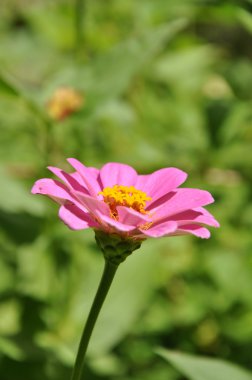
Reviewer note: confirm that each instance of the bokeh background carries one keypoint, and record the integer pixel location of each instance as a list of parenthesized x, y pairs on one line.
[(160, 83)]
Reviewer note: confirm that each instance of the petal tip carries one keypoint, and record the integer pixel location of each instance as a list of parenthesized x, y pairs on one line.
[(38, 187), (71, 159), (183, 174), (34, 189), (204, 234), (51, 169), (211, 198)]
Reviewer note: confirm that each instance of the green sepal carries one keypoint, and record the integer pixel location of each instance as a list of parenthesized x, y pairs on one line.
[(116, 248)]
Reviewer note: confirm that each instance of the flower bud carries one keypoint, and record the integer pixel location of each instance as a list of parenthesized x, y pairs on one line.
[(115, 248), (64, 102)]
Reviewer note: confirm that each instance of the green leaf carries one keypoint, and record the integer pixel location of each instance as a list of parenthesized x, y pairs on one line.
[(203, 368), (15, 197), (245, 19), (10, 349), (6, 87), (10, 86), (185, 69), (110, 75), (9, 317), (36, 270)]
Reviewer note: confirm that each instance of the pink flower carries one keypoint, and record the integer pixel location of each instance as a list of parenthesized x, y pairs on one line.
[(117, 200)]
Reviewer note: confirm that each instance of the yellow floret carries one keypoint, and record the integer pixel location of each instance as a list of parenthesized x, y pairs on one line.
[(127, 196)]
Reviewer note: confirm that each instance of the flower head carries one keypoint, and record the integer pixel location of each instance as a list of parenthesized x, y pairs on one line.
[(116, 200), (63, 102)]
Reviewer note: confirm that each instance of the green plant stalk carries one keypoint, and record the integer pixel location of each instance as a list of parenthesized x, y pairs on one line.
[(102, 291), (78, 16)]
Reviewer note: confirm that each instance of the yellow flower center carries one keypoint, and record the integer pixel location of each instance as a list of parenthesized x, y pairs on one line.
[(127, 196)]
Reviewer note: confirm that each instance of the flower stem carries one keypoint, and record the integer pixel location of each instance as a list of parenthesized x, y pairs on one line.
[(102, 291), (79, 15)]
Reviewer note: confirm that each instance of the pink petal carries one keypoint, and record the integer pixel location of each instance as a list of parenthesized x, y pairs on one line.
[(89, 176), (75, 218), (69, 179), (94, 171), (121, 227), (207, 218), (160, 182), (95, 206), (131, 217), (196, 216), (117, 174), (101, 211), (53, 189), (182, 200), (194, 230), (161, 229)]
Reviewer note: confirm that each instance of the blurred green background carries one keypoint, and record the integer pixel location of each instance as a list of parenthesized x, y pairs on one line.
[(163, 83)]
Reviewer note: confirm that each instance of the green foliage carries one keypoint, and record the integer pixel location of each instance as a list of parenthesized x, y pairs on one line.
[(197, 368), (164, 83)]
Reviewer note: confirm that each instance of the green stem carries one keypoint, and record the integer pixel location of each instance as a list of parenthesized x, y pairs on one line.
[(79, 14), (102, 291)]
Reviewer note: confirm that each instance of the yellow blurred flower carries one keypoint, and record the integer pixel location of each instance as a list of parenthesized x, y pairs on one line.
[(64, 101)]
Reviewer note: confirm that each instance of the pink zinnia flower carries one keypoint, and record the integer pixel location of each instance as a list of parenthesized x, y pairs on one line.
[(117, 200)]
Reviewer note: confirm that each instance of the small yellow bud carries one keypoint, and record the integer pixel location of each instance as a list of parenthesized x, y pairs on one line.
[(64, 101)]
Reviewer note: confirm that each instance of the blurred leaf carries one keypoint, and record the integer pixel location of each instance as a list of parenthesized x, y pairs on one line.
[(6, 87), (110, 75), (55, 25), (10, 349), (245, 18), (15, 197), (7, 276), (236, 155), (239, 329), (185, 69), (9, 317), (237, 124), (200, 368), (240, 78), (11, 86), (224, 266), (36, 270), (117, 112), (26, 226), (109, 365)]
